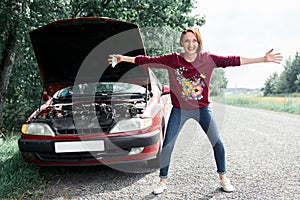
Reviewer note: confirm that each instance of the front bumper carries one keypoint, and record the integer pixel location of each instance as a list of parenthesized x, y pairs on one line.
[(116, 149)]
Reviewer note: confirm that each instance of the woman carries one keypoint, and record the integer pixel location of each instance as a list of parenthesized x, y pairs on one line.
[(190, 74)]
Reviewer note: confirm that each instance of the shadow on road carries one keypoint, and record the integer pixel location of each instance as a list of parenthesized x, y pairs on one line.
[(72, 182)]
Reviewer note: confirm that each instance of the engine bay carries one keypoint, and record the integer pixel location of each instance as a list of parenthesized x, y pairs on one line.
[(88, 118)]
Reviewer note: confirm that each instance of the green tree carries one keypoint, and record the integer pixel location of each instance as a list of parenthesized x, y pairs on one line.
[(288, 81), (288, 78), (298, 83), (218, 82), (159, 13), (24, 86), (9, 46), (271, 85)]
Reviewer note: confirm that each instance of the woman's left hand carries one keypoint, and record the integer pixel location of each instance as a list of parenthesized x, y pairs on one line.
[(275, 57)]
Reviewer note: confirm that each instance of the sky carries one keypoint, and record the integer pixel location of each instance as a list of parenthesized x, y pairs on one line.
[(250, 28)]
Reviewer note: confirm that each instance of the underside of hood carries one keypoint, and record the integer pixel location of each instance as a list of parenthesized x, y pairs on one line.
[(75, 51)]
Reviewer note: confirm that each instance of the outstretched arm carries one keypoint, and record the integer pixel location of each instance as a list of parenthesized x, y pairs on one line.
[(120, 58), (269, 57)]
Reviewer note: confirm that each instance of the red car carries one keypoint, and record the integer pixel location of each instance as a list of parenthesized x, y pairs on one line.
[(93, 113)]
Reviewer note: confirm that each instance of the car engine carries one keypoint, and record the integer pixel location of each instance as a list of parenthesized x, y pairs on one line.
[(88, 118)]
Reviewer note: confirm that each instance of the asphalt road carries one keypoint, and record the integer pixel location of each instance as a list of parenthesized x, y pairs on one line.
[(263, 162)]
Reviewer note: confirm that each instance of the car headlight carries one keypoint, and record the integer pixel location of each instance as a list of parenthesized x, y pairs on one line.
[(132, 124), (40, 129)]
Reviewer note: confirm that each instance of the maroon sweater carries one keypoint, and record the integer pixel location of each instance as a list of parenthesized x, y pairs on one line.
[(189, 82)]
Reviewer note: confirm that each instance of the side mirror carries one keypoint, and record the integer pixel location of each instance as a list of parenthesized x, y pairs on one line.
[(165, 90), (46, 97)]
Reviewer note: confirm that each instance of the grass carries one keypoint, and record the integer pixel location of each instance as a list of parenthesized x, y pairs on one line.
[(18, 179), (280, 104)]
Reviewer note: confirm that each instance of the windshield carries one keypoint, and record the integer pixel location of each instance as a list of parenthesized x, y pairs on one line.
[(101, 88)]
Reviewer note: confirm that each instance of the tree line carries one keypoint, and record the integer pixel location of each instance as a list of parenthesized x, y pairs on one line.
[(21, 87), (287, 82)]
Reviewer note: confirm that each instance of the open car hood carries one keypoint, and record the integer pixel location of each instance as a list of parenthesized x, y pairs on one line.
[(75, 51)]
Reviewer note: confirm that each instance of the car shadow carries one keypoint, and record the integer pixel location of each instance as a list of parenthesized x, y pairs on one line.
[(72, 182)]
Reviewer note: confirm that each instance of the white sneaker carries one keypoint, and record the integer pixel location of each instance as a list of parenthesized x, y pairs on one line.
[(226, 185), (160, 188)]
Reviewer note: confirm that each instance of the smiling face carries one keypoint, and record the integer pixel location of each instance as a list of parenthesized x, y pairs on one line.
[(190, 43)]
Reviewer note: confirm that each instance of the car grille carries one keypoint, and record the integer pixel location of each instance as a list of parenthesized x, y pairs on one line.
[(80, 157), (82, 131)]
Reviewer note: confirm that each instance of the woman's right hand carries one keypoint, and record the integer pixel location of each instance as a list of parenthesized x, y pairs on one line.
[(117, 58), (114, 59)]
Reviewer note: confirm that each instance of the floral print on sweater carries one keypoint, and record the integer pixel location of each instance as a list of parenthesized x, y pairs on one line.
[(192, 88)]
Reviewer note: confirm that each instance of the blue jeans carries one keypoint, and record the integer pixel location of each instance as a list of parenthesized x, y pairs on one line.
[(176, 121)]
